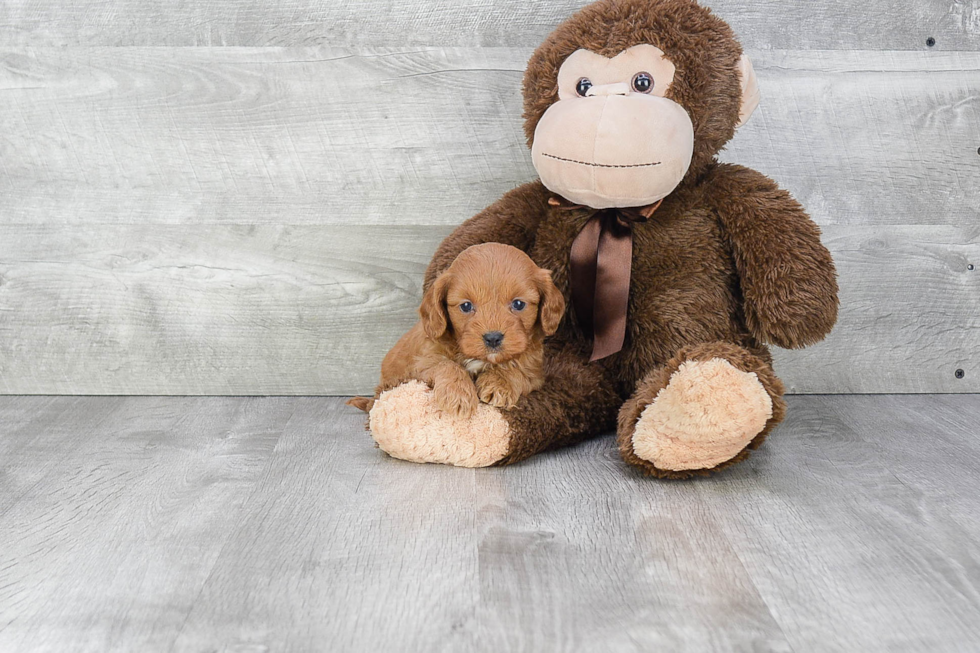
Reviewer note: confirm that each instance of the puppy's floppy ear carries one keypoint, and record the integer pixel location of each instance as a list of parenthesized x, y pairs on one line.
[(551, 306), (433, 308)]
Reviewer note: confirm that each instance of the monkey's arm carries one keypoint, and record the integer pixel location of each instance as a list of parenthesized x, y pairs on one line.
[(511, 220), (788, 279)]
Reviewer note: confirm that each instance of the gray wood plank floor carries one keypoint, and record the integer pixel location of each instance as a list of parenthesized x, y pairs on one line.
[(273, 524)]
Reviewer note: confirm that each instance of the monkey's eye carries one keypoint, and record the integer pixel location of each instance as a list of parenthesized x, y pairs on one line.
[(466, 307), (518, 305), (642, 82), (583, 86)]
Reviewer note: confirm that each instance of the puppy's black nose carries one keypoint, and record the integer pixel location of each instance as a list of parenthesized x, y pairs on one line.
[(492, 339)]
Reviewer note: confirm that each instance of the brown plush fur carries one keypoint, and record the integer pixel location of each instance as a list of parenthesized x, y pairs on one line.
[(446, 348), (728, 263)]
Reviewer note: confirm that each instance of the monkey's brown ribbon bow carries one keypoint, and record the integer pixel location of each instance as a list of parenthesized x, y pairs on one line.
[(601, 257)]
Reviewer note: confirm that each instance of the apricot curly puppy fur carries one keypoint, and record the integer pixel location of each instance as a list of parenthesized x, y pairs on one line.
[(481, 333)]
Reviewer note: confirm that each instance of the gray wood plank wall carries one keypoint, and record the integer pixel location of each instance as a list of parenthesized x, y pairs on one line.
[(177, 218), (793, 24)]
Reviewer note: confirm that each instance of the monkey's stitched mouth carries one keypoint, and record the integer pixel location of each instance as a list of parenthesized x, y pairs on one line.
[(601, 165)]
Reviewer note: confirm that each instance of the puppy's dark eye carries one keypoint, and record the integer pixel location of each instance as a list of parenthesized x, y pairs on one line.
[(518, 305), (466, 307), (642, 82), (583, 86)]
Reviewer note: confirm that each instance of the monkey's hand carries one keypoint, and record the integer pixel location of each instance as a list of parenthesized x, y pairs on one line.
[(407, 423)]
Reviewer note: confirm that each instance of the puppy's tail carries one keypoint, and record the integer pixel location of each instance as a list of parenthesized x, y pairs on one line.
[(361, 403)]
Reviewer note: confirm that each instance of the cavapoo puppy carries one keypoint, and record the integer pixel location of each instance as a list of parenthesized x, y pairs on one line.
[(483, 323)]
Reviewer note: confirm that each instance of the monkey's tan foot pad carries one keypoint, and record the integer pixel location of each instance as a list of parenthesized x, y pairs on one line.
[(406, 424), (708, 413)]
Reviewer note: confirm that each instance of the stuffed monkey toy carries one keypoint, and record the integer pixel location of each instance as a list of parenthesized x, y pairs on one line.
[(677, 270)]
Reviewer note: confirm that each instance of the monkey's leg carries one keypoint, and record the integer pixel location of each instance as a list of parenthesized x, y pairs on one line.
[(704, 410), (576, 402)]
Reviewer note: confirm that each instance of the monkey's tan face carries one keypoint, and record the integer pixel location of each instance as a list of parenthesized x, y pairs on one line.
[(613, 139)]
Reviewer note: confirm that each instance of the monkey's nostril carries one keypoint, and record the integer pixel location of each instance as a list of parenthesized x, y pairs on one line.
[(492, 339)]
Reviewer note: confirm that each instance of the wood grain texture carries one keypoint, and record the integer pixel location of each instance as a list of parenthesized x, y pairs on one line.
[(232, 309), (598, 558), (134, 500), (799, 24), (431, 136), (161, 309), (35, 434), (894, 464), (909, 317), (385, 560), (203, 524), (208, 220)]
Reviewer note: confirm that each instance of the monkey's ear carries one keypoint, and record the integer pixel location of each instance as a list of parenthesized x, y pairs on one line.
[(750, 90), (433, 308)]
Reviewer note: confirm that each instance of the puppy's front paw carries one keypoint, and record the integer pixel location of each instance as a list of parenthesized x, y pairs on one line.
[(496, 391), (456, 399)]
